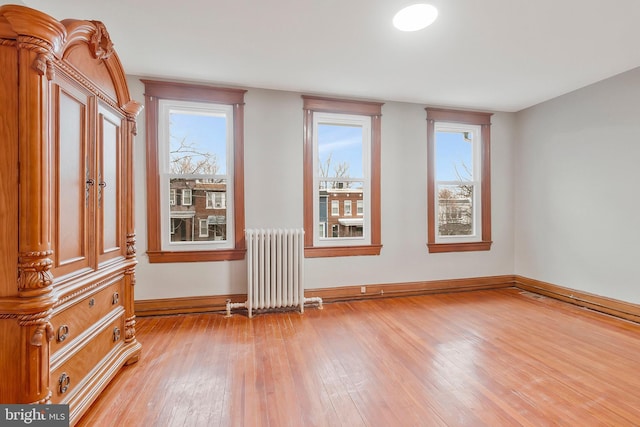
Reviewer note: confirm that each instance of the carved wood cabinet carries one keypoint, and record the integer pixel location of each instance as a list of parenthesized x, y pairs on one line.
[(67, 240)]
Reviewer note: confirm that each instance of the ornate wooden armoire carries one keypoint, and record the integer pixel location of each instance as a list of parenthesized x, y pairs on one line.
[(67, 239)]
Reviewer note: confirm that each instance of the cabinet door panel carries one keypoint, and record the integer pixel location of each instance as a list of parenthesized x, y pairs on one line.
[(72, 194), (110, 191)]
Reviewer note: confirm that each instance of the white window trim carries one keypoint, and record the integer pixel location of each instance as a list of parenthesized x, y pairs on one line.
[(359, 207), (200, 228), (223, 200), (476, 146), (185, 192), (351, 120), (172, 197), (335, 208), (209, 202), (165, 106), (347, 208), (212, 196)]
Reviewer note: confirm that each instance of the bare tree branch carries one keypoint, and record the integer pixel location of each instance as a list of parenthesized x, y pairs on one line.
[(187, 159), (341, 170)]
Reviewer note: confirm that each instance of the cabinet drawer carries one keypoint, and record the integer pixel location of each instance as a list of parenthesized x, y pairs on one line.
[(72, 373), (73, 320)]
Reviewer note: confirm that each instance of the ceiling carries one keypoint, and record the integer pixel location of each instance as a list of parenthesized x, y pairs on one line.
[(501, 55)]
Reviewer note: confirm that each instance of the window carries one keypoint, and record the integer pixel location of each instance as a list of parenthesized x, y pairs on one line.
[(186, 197), (195, 140), (335, 208), (194, 150), (347, 208), (359, 208), (216, 200), (204, 228), (220, 200), (458, 181), (341, 164)]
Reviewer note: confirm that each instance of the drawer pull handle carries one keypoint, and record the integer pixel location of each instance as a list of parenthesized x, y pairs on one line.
[(116, 334), (63, 383), (116, 298), (63, 331), (92, 302)]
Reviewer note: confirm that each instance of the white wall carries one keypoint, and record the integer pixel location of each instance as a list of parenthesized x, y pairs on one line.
[(577, 194), (273, 160)]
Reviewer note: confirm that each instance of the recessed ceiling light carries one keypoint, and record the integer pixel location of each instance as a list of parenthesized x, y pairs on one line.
[(415, 17)]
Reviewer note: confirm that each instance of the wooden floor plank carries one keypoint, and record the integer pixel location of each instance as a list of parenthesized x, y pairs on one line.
[(484, 358)]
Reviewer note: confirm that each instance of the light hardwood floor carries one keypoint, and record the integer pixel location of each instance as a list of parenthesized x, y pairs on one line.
[(484, 358)]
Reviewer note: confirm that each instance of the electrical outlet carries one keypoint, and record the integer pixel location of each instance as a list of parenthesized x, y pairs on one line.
[(363, 289)]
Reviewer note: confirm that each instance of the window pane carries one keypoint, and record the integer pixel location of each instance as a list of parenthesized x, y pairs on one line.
[(205, 217), (347, 208), (340, 151), (340, 222), (335, 207), (198, 143), (216, 199), (454, 156), (204, 229), (455, 210), (186, 197)]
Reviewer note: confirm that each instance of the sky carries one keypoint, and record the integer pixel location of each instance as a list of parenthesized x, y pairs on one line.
[(344, 143), (452, 151), (207, 133)]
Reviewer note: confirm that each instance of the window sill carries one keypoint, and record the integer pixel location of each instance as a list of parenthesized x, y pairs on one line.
[(337, 251), (459, 247), (195, 256)]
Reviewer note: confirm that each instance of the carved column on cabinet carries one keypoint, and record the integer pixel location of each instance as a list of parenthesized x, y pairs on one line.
[(133, 109), (130, 319), (35, 281)]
